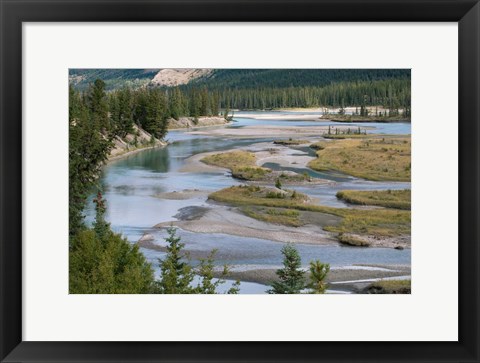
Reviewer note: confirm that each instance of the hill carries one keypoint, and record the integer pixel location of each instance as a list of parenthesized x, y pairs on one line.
[(284, 78), (230, 78), (113, 78)]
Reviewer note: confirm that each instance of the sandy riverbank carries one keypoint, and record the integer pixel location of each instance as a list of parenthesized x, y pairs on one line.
[(189, 122), (265, 152), (182, 194), (135, 151), (282, 116), (229, 220), (349, 278), (262, 131)]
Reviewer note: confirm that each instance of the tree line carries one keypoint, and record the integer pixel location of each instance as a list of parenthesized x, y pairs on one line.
[(391, 94), (285, 78)]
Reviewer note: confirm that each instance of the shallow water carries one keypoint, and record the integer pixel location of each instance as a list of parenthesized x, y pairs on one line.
[(401, 128), (130, 186)]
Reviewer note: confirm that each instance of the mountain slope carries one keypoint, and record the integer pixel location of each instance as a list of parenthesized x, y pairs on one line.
[(283, 78), (230, 78)]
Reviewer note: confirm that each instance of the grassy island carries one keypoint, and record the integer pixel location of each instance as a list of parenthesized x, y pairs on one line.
[(369, 118), (279, 204), (241, 164), (372, 158), (290, 142), (399, 199)]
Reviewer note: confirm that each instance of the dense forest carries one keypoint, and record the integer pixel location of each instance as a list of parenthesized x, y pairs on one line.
[(286, 78), (261, 89), (392, 94)]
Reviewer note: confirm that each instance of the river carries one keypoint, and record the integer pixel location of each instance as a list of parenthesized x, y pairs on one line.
[(130, 186)]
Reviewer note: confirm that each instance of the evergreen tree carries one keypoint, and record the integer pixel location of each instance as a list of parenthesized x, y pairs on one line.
[(292, 277), (176, 274), (208, 284), (88, 149), (204, 103), (124, 116), (100, 226), (102, 262), (107, 266), (176, 108), (318, 273), (98, 105)]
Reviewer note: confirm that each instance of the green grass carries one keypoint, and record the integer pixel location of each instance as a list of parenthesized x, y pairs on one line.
[(370, 118), (290, 142), (375, 222), (352, 240), (320, 145), (243, 166), (399, 199), (371, 158), (241, 163), (287, 217), (391, 287), (344, 136)]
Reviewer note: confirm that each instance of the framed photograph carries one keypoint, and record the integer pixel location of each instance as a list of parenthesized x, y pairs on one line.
[(240, 181)]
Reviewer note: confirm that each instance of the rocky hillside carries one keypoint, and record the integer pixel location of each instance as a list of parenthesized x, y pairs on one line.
[(117, 78), (229, 78), (178, 76), (138, 140), (190, 122)]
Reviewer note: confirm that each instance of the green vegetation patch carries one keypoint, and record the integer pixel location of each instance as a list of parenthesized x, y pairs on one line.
[(399, 199), (368, 118), (390, 287), (287, 217), (352, 240), (385, 158), (374, 222), (290, 142), (320, 145), (344, 136), (241, 163)]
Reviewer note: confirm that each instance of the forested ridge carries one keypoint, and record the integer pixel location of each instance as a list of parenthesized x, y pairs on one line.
[(270, 89), (113, 78), (285, 78)]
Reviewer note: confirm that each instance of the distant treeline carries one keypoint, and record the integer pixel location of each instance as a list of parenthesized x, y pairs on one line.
[(391, 94), (249, 89), (286, 78)]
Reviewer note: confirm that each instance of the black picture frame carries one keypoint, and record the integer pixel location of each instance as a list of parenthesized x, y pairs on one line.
[(14, 12)]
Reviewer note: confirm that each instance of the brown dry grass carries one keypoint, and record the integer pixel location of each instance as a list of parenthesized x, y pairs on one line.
[(399, 199), (372, 158)]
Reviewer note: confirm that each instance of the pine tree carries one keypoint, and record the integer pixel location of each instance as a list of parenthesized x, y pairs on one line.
[(88, 149), (102, 262), (176, 274), (98, 105), (124, 114), (318, 273), (176, 108), (100, 226), (292, 277), (208, 284)]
